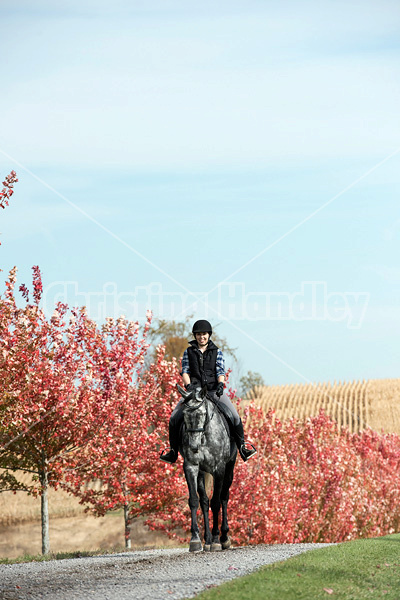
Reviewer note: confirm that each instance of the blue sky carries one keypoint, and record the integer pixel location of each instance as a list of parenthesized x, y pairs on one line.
[(245, 150)]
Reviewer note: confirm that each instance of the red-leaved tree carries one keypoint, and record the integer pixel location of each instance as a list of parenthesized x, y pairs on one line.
[(120, 467), (49, 405)]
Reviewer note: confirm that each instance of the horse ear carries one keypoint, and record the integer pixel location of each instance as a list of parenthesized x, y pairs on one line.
[(182, 391), (203, 391)]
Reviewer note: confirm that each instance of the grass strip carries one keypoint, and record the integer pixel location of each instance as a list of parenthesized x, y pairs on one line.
[(46, 557), (78, 554), (52, 556), (366, 568)]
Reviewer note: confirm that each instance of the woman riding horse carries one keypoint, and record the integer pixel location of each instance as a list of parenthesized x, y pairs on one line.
[(203, 364)]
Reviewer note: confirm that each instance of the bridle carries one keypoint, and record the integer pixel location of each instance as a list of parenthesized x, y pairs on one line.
[(208, 418)]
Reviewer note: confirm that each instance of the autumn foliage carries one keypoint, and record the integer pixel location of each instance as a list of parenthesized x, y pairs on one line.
[(81, 407), (7, 191), (119, 467), (49, 405), (309, 482), (78, 408)]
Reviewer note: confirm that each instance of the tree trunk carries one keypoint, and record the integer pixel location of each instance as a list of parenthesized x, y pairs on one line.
[(127, 526), (45, 511)]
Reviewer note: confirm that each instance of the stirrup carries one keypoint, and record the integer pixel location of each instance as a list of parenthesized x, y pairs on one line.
[(170, 457), (247, 453)]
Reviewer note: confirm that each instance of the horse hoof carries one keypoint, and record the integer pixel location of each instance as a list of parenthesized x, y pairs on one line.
[(195, 546), (216, 547), (207, 548), (227, 544)]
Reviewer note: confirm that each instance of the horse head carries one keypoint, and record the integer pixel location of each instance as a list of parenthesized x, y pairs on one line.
[(195, 415)]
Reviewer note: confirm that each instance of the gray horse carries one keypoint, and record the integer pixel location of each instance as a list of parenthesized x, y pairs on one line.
[(206, 447)]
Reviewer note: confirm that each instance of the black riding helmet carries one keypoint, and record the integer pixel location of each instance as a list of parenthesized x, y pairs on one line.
[(201, 326)]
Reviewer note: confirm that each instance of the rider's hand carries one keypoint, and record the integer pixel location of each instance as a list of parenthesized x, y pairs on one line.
[(220, 389), (190, 387)]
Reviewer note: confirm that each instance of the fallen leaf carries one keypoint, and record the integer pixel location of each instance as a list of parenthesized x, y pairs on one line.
[(298, 574)]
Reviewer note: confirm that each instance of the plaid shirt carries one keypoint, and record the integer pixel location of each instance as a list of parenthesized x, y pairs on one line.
[(220, 366)]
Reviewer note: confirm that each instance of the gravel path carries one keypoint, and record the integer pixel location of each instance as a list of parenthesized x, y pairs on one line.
[(146, 575)]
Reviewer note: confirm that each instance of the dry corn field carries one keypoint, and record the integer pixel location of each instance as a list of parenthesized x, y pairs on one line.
[(356, 405)]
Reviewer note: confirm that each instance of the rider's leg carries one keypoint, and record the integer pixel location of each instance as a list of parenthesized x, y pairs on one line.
[(238, 435), (233, 417), (175, 423)]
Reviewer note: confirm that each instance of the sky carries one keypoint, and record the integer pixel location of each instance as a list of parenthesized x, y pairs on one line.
[(236, 161)]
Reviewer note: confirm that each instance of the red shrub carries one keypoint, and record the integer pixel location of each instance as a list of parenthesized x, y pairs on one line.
[(309, 482)]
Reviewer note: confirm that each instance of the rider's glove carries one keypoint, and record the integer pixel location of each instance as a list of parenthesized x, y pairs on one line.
[(220, 389), (190, 387)]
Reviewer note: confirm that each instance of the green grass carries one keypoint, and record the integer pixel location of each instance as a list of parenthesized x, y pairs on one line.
[(368, 568)]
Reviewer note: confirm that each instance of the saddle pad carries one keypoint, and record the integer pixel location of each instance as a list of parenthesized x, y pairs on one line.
[(225, 422), (227, 427)]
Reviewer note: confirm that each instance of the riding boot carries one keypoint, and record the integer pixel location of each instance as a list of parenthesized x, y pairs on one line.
[(238, 435), (174, 428)]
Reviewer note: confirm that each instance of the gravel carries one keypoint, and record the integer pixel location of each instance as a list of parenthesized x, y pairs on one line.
[(144, 575)]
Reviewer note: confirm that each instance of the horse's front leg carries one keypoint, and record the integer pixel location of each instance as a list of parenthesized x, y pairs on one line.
[(191, 474), (215, 507), (205, 507), (228, 478)]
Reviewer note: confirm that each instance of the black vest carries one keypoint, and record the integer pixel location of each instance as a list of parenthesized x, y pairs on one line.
[(203, 366)]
